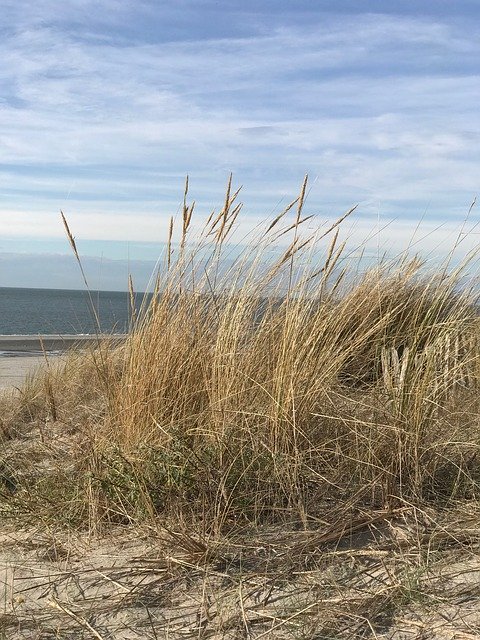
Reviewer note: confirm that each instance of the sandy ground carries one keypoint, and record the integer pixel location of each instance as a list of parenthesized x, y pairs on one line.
[(406, 574), (21, 355), (131, 586), (13, 370)]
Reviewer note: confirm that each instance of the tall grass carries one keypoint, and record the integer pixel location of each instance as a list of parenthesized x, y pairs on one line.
[(258, 390), (253, 390)]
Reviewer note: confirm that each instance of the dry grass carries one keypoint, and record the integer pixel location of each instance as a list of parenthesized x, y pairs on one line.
[(408, 576), (254, 394)]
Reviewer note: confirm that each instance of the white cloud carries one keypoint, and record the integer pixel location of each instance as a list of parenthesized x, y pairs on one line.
[(378, 109)]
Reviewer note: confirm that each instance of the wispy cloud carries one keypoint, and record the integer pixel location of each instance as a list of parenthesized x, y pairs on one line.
[(106, 106)]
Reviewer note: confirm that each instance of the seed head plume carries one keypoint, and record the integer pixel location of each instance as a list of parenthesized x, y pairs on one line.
[(70, 236), (131, 294), (169, 244), (73, 244)]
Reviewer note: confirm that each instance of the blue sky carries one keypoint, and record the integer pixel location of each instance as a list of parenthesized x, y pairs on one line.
[(106, 105)]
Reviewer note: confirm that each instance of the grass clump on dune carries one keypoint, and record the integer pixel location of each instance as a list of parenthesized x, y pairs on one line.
[(253, 391)]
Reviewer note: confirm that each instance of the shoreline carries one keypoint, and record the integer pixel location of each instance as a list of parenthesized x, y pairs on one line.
[(24, 345)]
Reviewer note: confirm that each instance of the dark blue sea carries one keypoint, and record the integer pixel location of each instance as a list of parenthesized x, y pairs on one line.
[(58, 311)]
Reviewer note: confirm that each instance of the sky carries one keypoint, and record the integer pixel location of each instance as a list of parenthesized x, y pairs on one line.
[(106, 106)]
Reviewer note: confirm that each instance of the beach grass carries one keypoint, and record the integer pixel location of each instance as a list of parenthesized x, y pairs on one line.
[(270, 410)]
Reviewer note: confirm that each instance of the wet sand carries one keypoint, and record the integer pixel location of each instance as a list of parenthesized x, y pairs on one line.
[(29, 344)]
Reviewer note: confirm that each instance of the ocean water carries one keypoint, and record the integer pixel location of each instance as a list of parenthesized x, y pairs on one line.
[(58, 311)]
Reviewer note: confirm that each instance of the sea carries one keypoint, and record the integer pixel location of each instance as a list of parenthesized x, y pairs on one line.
[(59, 311)]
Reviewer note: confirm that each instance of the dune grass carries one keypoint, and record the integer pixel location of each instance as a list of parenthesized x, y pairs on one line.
[(262, 391), (261, 413)]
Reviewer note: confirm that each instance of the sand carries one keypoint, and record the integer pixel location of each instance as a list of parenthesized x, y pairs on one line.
[(25, 344), (21, 355), (13, 370), (129, 586)]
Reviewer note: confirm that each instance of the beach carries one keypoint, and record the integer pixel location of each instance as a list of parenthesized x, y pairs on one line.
[(14, 370), (21, 355)]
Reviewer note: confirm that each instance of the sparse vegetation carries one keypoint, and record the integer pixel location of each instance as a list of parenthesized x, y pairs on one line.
[(268, 419)]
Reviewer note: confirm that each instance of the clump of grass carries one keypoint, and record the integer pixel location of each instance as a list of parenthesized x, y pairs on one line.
[(254, 390)]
